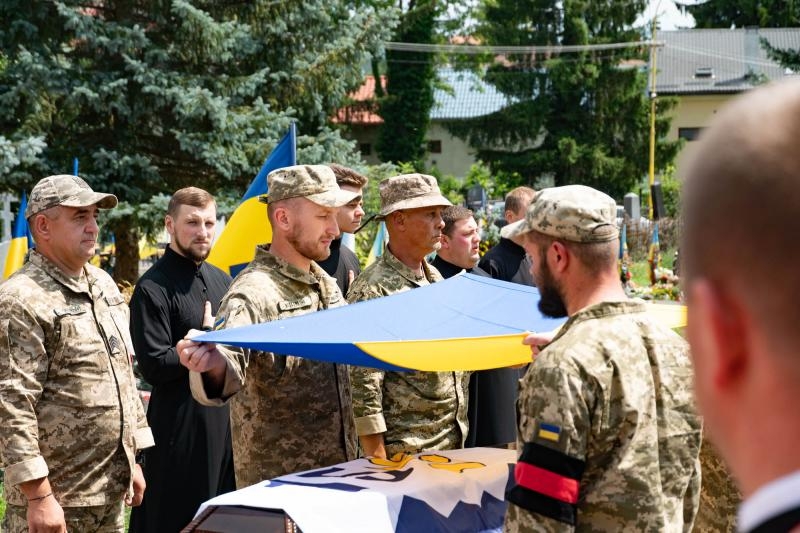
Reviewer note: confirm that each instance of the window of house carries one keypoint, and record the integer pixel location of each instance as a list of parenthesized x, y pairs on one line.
[(435, 147), (365, 148), (690, 134)]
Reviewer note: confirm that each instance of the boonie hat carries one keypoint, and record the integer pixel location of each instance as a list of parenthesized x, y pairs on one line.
[(315, 182), (66, 190), (409, 191), (573, 213)]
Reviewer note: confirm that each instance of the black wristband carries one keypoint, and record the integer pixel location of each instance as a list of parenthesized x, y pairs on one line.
[(140, 458)]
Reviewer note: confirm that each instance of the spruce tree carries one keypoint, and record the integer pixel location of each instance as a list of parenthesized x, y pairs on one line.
[(743, 13), (154, 95), (572, 118)]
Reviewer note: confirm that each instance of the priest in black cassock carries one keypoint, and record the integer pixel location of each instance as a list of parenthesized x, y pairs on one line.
[(493, 393), (192, 460)]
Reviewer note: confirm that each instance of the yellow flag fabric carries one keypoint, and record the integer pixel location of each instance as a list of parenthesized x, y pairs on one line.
[(20, 240), (470, 353), (248, 226)]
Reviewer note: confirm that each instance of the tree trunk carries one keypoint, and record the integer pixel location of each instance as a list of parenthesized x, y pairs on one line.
[(126, 265)]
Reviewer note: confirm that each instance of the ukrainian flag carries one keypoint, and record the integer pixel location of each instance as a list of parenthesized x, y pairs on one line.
[(248, 225), (21, 241), (377, 245)]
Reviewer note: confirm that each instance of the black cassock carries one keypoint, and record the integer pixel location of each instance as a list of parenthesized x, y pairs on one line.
[(192, 460), (492, 408)]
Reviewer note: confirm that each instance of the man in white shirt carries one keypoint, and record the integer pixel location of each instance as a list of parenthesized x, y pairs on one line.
[(741, 206)]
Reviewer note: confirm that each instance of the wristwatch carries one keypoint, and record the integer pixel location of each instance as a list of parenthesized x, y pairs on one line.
[(140, 457)]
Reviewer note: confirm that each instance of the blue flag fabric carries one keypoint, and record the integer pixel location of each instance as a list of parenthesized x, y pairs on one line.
[(248, 225), (21, 241)]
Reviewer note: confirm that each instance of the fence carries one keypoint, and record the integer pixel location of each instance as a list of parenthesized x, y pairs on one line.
[(640, 235)]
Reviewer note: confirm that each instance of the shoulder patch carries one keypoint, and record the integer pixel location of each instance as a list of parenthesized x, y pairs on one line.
[(549, 435)]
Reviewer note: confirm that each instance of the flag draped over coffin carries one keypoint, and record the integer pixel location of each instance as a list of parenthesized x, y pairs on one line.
[(454, 490)]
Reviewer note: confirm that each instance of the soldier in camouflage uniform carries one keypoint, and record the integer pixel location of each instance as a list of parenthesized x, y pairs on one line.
[(290, 413), (71, 416), (608, 438), (407, 411)]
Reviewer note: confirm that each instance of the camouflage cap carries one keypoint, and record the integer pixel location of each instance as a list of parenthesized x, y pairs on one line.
[(409, 191), (573, 213), (70, 191), (315, 182)]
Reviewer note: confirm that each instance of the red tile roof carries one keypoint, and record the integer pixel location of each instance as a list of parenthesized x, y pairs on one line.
[(363, 107)]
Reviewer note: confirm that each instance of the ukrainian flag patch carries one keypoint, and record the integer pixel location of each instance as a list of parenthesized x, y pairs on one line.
[(549, 432)]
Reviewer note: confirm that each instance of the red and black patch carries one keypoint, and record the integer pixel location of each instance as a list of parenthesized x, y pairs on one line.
[(547, 483)]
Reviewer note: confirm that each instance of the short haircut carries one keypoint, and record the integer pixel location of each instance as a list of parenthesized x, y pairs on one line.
[(519, 198), (348, 176), (741, 207), (192, 196), (596, 257), (452, 214)]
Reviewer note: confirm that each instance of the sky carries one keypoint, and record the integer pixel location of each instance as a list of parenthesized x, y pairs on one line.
[(669, 15)]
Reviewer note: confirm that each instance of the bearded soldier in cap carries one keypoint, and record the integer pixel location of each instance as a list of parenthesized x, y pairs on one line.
[(407, 411), (71, 416), (291, 413), (608, 438)]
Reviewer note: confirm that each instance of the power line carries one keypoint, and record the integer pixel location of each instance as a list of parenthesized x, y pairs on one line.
[(468, 49)]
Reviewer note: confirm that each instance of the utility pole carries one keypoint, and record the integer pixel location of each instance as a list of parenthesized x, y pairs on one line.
[(653, 71)]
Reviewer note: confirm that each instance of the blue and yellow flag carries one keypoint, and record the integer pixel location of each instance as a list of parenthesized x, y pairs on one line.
[(377, 245), (21, 241), (654, 255), (248, 225)]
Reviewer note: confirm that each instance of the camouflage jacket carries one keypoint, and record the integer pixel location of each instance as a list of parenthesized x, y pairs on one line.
[(290, 413), (608, 435), (69, 408), (416, 411)]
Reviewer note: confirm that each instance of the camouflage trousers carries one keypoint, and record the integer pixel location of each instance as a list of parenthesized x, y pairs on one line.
[(99, 518)]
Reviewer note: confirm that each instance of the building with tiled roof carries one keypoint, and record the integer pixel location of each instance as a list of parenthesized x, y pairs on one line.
[(704, 68), (459, 95)]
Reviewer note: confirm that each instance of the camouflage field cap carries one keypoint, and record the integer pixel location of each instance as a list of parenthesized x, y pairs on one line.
[(573, 213), (70, 191), (315, 182), (409, 191)]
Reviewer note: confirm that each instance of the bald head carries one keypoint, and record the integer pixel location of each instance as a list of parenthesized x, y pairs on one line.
[(741, 206)]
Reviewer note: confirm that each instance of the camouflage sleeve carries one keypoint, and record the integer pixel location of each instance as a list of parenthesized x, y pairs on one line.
[(361, 292), (236, 309), (23, 371), (367, 386), (554, 421)]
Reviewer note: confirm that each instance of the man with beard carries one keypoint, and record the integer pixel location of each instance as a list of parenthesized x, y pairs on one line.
[(291, 413), (407, 411), (608, 438), (343, 263), (192, 460)]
